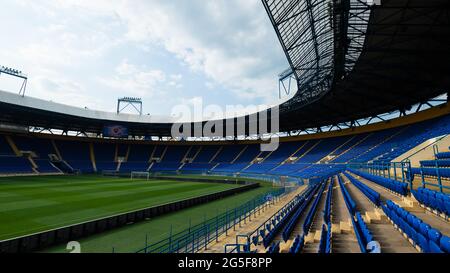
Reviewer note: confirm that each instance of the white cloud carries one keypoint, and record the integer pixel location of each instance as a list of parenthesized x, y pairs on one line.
[(64, 91), (230, 41), (175, 81), (230, 44), (233, 45), (134, 80)]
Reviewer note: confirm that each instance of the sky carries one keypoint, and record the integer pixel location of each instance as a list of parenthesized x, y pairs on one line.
[(88, 53)]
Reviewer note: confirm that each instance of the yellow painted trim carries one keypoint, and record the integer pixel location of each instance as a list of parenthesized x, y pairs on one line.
[(92, 154), (56, 149), (13, 145)]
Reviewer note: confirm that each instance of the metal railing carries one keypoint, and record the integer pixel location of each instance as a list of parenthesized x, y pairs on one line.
[(398, 171), (198, 237)]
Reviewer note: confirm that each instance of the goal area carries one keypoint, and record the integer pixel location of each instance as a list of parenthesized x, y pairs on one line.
[(140, 175)]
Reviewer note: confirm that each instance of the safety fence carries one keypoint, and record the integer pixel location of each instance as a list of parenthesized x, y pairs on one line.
[(393, 170), (198, 237)]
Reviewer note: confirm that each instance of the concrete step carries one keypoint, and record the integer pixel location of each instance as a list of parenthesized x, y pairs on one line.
[(311, 248), (375, 216), (344, 243), (410, 204)]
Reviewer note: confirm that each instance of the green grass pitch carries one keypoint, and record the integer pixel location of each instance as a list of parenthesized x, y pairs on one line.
[(132, 238), (33, 204)]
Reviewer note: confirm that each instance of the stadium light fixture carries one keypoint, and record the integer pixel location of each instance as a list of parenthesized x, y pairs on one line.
[(18, 74), (134, 102)]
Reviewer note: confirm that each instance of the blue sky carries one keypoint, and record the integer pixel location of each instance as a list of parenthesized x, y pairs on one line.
[(89, 53)]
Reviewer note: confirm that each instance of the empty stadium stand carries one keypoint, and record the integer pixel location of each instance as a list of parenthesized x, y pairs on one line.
[(345, 208), (360, 166), (303, 159)]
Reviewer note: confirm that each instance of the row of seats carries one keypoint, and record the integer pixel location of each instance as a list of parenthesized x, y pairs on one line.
[(279, 221), (432, 199), (384, 145), (45, 166), (412, 136), (327, 211), (305, 199), (362, 232), (325, 239), (298, 244), (435, 163), (197, 167), (373, 195), (422, 234), (351, 205), (14, 164), (312, 211), (368, 141), (391, 184), (437, 168), (434, 172), (443, 155), (274, 248)]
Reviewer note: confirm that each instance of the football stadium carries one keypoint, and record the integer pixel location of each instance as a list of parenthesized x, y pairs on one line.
[(355, 160)]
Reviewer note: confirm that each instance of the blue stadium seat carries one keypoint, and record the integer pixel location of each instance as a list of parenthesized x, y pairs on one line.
[(422, 242), (435, 163), (351, 205), (443, 155), (303, 200), (15, 165), (428, 238), (362, 232), (313, 210), (433, 199), (369, 192), (297, 245), (432, 172), (393, 185), (434, 235), (445, 244)]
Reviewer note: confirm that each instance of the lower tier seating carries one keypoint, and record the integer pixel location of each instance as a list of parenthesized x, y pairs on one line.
[(432, 199), (229, 168), (433, 172), (325, 239), (369, 192), (279, 221), (305, 199), (421, 233), (197, 167), (274, 248), (443, 155), (45, 166), (393, 185), (351, 205), (130, 166), (297, 245), (14, 164), (106, 166), (161, 167), (84, 166), (362, 232), (327, 211), (313, 210), (435, 163)]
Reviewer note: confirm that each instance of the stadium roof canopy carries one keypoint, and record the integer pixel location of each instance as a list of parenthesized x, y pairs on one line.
[(351, 60)]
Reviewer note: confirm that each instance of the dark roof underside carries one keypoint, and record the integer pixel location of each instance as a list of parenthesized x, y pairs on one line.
[(406, 60)]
